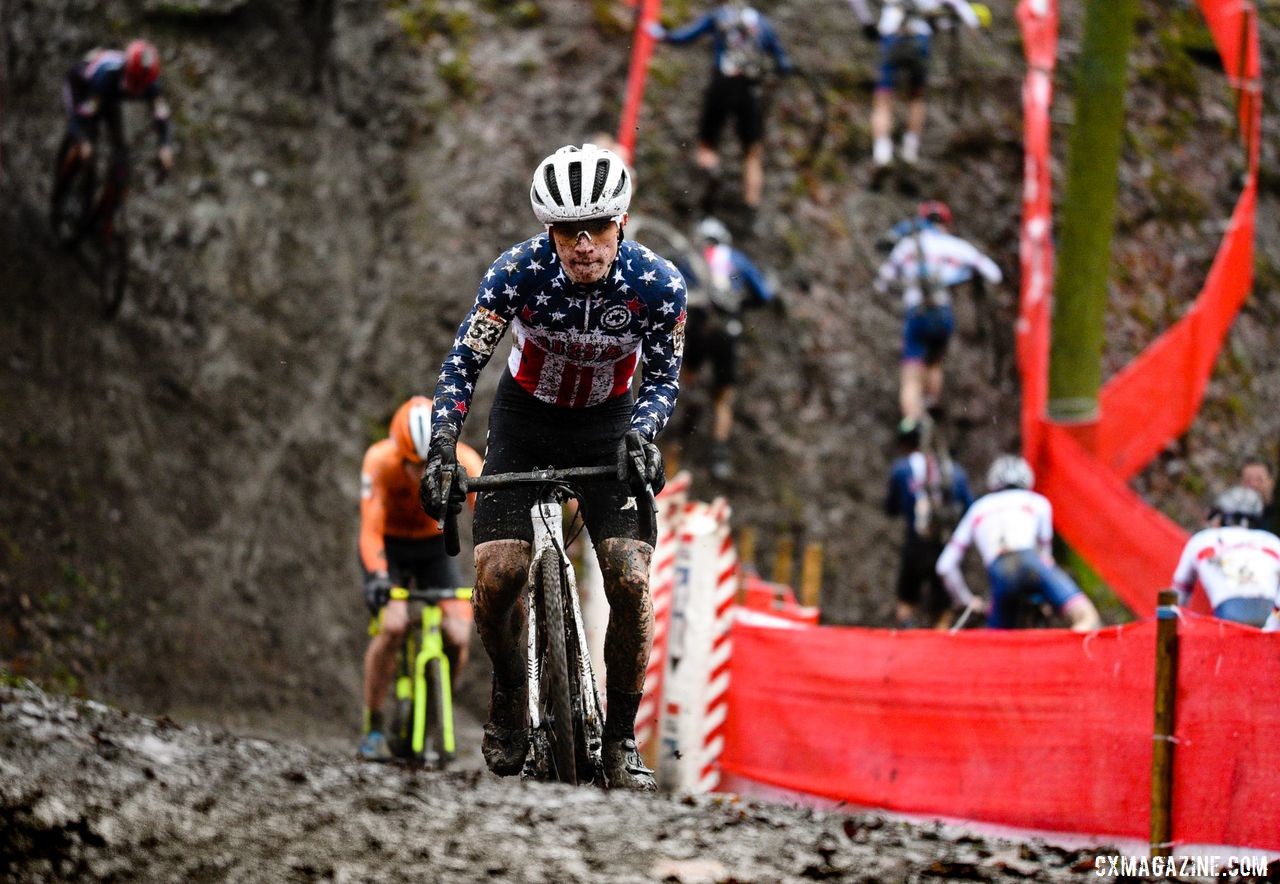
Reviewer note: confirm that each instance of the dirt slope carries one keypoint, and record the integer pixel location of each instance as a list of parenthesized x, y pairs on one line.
[(90, 793)]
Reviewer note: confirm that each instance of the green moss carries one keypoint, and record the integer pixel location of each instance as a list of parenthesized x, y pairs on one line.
[(1109, 605), (455, 70)]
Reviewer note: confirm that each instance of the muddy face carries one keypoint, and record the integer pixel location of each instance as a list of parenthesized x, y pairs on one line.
[(586, 249)]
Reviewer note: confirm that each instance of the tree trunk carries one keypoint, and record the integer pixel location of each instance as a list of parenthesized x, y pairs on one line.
[(1088, 213)]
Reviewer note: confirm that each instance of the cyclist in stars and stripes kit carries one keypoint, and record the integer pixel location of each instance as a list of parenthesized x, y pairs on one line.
[(586, 309)]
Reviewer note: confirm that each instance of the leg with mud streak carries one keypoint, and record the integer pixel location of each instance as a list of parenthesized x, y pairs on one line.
[(625, 567), (502, 567)]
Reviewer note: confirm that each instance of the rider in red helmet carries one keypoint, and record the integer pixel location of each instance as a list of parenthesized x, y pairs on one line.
[(92, 92)]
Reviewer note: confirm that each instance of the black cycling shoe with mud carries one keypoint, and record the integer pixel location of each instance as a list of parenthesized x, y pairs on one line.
[(506, 735), (623, 767)]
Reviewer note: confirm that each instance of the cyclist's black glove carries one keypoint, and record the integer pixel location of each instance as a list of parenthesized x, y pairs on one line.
[(655, 473), (377, 591), (442, 458), (871, 32)]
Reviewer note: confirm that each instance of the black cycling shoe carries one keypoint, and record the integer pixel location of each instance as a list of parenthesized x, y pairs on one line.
[(506, 736), (623, 767)]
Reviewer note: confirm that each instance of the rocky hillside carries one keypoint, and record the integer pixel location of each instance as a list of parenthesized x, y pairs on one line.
[(178, 518)]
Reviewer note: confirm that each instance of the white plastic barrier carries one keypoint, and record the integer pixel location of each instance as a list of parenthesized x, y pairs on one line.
[(662, 577), (696, 676)]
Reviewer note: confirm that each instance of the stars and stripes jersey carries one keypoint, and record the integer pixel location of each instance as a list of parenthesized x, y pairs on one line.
[(1230, 562), (573, 346)]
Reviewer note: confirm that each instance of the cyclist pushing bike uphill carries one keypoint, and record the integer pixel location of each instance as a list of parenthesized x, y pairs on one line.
[(585, 307)]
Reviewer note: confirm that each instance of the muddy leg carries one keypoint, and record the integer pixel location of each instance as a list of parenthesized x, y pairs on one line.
[(501, 569), (625, 566)]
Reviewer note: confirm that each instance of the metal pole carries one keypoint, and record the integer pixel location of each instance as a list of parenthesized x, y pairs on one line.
[(1162, 736)]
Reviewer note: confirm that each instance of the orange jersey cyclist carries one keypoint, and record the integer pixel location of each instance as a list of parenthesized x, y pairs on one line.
[(400, 545), (586, 309)]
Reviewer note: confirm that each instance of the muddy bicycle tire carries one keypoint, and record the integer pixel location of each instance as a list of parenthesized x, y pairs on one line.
[(434, 742), (556, 688), (113, 274)]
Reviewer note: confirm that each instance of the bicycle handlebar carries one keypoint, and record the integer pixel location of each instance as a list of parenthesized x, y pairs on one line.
[(499, 481), (431, 596), (464, 484)]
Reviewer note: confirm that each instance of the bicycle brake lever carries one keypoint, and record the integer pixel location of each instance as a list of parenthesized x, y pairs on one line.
[(447, 518)]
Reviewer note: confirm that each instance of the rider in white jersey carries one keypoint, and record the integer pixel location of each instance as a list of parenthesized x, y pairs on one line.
[(1013, 529), (1238, 565), (926, 263)]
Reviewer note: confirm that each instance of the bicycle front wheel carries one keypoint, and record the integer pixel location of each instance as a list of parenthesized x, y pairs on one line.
[(555, 688), (439, 730), (113, 273)]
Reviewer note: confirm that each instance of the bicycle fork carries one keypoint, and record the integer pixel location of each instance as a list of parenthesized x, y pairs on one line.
[(432, 649)]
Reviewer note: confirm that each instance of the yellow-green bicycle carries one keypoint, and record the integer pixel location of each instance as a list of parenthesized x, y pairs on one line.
[(421, 727)]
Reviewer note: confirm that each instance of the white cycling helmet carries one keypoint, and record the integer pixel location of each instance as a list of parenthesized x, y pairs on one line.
[(1009, 471), (1239, 506), (580, 184), (714, 229)]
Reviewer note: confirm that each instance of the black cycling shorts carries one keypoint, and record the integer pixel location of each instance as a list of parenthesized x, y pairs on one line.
[(739, 97), (418, 563), (707, 338), (918, 582), (525, 434)]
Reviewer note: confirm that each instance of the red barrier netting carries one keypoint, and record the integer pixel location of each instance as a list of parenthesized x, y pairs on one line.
[(1032, 729), (1226, 771), (1155, 398), (1044, 730)]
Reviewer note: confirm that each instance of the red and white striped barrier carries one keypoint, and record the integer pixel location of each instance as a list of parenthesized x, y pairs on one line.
[(695, 680)]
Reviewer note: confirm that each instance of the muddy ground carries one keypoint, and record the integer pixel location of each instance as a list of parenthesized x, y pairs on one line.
[(91, 793)]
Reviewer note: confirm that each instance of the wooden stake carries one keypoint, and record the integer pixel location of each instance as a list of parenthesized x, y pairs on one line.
[(746, 559), (784, 560), (1162, 737), (811, 575)]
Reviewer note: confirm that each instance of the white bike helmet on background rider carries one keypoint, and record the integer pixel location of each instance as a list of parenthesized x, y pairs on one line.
[(1010, 471), (713, 229), (1238, 506), (581, 184)]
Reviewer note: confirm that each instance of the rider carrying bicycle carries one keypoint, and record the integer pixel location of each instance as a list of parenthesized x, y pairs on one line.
[(93, 92), (929, 492), (926, 264), (1012, 527), (716, 305), (585, 306), (1237, 563), (744, 41), (399, 545), (904, 29)]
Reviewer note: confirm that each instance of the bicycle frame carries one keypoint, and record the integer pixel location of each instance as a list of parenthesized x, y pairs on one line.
[(411, 682)]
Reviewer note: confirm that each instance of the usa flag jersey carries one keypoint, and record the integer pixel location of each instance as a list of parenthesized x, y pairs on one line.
[(573, 345)]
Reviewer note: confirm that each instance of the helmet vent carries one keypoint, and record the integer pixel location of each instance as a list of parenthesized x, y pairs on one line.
[(622, 184), (575, 183), (602, 176), (549, 175)]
